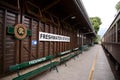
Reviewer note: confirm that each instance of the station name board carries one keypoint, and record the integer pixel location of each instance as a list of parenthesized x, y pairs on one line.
[(43, 36)]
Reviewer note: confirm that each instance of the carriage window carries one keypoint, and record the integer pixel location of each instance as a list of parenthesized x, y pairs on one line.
[(114, 33), (118, 29), (118, 25)]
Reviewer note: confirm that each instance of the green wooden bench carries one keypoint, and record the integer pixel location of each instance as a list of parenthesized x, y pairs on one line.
[(84, 48), (64, 59), (32, 73), (77, 51), (64, 53), (69, 56)]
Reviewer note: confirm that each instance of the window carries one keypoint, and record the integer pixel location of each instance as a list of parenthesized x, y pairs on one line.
[(118, 29)]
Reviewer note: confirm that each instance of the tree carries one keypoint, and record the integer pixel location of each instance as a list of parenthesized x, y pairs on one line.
[(97, 39), (96, 22), (117, 6)]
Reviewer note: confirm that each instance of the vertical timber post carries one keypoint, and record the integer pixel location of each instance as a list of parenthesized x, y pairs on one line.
[(4, 40), (116, 33), (82, 41)]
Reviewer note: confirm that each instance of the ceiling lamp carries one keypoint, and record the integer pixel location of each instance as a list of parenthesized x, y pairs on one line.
[(73, 17)]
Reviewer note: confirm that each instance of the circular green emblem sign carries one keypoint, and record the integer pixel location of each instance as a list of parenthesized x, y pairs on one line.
[(20, 31)]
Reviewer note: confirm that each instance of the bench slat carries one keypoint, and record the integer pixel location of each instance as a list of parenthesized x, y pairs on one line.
[(66, 58), (65, 52)]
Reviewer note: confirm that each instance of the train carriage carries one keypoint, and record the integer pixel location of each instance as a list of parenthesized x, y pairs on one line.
[(111, 39)]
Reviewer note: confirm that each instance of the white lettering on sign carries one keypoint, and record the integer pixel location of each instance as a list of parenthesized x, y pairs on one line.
[(43, 36), (65, 52), (36, 61), (76, 48)]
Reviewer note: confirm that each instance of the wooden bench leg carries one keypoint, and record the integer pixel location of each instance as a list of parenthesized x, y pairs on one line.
[(74, 58), (78, 56), (55, 67), (65, 64), (18, 72)]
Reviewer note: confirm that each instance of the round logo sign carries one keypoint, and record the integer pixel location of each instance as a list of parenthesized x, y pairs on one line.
[(20, 31)]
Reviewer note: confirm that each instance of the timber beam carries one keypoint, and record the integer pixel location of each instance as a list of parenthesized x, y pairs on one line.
[(51, 5)]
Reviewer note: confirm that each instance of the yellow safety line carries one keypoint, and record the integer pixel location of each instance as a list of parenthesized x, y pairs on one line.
[(92, 68)]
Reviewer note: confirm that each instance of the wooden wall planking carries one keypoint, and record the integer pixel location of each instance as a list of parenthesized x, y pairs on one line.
[(35, 25), (1, 40), (15, 52), (51, 51), (46, 43), (10, 42), (25, 55)]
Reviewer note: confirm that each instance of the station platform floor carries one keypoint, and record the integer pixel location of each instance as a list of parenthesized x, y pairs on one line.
[(90, 65)]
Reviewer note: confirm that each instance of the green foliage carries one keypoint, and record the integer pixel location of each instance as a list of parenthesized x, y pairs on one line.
[(97, 39), (96, 22), (117, 6)]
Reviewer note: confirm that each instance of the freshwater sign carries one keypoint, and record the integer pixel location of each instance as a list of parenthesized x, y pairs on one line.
[(43, 36), (36, 61)]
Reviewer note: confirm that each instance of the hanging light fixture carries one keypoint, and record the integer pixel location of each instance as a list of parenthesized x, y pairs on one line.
[(73, 17)]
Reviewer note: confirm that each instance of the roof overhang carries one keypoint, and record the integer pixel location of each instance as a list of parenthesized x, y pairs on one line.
[(69, 11)]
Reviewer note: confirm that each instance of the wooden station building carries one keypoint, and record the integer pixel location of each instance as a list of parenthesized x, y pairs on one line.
[(31, 29)]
